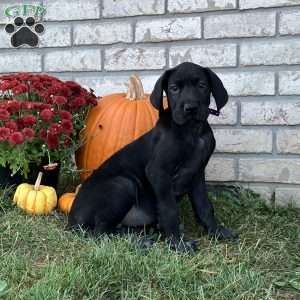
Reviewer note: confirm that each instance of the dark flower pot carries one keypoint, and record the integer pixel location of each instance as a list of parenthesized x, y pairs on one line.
[(50, 177)]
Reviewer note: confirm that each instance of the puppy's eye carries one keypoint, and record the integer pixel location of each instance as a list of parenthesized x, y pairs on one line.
[(174, 89)]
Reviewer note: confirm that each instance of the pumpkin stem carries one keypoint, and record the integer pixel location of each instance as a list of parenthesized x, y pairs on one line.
[(135, 88), (38, 181)]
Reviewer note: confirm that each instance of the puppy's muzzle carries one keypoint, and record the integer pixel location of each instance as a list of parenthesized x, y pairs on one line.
[(190, 108)]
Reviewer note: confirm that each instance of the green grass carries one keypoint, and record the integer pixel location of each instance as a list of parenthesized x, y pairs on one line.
[(40, 260)]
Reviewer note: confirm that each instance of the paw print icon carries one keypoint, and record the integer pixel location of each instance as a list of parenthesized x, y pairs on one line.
[(24, 33)]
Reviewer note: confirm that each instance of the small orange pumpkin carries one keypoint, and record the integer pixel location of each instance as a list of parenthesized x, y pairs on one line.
[(66, 200), (116, 121)]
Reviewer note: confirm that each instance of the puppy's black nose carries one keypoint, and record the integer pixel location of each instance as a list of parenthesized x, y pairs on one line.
[(190, 107)]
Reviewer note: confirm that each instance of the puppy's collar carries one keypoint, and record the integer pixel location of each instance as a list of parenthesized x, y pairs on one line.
[(214, 112)]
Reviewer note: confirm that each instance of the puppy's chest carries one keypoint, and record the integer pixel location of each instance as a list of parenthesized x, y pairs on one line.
[(188, 154), (188, 146)]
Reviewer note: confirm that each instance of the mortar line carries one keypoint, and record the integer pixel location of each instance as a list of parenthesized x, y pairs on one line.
[(166, 6), (100, 9)]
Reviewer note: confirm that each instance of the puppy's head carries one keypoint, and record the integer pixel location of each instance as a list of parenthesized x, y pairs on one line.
[(188, 88)]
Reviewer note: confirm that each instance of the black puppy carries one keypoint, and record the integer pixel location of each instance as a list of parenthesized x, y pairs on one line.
[(141, 183)]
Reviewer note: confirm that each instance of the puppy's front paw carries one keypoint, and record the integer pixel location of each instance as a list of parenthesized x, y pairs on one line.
[(222, 233), (146, 243), (183, 246)]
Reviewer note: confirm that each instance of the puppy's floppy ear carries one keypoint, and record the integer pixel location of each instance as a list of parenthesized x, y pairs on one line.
[(217, 89), (156, 96)]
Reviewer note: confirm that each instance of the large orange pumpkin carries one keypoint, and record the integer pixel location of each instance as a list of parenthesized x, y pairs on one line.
[(114, 122)]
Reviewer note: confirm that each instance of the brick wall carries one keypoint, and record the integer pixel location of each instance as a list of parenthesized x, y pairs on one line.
[(253, 45)]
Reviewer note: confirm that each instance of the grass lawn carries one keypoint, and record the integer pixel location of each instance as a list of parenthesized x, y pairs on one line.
[(39, 260)]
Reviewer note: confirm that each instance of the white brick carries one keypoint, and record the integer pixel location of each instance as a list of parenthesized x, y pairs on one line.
[(149, 82), (105, 85), (289, 22), (270, 53), (228, 115), (220, 169), (71, 10), (188, 6), (271, 113), (102, 33), (20, 61), (240, 25), (249, 83), (214, 55), (285, 196), (64, 77), (269, 170), (265, 192), (245, 4), (5, 39), (289, 83), (243, 140), (55, 35), (73, 60), (122, 8), (168, 29), (288, 141), (134, 58)]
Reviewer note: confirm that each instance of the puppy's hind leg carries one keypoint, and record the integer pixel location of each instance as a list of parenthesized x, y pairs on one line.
[(118, 195)]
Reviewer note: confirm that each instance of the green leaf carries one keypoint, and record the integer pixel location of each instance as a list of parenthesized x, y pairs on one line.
[(295, 284), (3, 287), (280, 283)]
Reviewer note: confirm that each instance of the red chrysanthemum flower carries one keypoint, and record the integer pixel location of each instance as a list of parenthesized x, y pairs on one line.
[(23, 76), (3, 105), (4, 114), (46, 114), (65, 115), (37, 86), (20, 89), (67, 141), (43, 134), (52, 141), (65, 91), (29, 120), (11, 125), (7, 84), (13, 106), (67, 126), (72, 84), (16, 138), (20, 123), (28, 134), (45, 94), (37, 105), (54, 129), (35, 78), (27, 105), (45, 106), (4, 133), (59, 100), (78, 102), (92, 100)]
